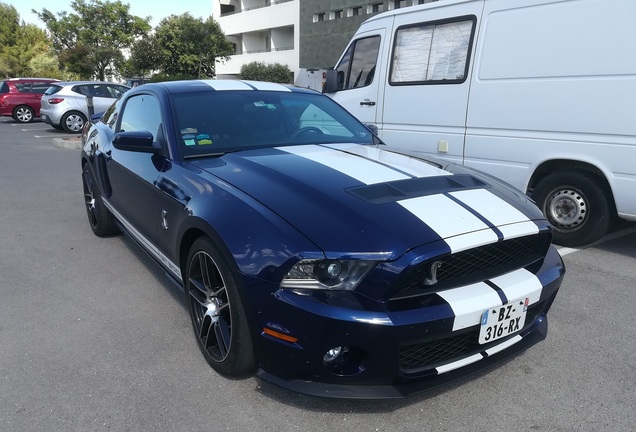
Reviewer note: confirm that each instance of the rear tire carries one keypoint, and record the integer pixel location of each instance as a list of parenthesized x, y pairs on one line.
[(23, 114), (218, 317), (576, 205), (99, 218), (73, 122)]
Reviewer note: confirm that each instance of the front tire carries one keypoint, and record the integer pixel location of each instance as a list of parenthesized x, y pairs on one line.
[(23, 114), (218, 317), (73, 122), (100, 220), (576, 206)]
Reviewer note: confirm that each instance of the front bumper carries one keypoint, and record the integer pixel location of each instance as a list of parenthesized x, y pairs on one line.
[(399, 391), (391, 354)]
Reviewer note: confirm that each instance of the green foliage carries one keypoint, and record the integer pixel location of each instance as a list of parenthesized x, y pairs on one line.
[(259, 71), (20, 44), (187, 46), (90, 41)]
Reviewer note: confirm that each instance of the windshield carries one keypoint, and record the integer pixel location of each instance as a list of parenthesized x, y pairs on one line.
[(225, 121)]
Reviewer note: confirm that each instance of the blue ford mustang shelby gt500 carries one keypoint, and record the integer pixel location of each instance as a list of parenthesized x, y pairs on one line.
[(310, 252)]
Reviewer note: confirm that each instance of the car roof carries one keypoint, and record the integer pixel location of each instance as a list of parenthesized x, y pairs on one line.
[(187, 86), (31, 79), (67, 83)]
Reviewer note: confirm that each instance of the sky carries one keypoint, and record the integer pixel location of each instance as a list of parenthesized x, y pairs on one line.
[(157, 9)]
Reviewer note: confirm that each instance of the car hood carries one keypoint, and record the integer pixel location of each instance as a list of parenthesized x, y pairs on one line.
[(358, 201)]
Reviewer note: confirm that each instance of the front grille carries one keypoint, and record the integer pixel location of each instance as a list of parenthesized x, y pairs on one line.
[(473, 265), (423, 356)]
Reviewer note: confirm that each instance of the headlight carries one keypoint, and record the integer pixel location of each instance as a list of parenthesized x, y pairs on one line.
[(326, 274)]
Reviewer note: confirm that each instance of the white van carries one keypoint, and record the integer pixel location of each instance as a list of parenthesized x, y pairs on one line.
[(540, 93)]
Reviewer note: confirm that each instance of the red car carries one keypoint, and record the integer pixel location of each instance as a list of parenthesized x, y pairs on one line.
[(20, 97)]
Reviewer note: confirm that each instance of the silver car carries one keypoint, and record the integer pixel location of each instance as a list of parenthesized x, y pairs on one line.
[(64, 104)]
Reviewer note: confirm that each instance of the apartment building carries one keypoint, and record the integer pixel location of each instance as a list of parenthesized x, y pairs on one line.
[(302, 34)]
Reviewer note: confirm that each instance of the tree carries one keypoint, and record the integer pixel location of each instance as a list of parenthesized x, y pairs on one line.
[(19, 44), (259, 71), (188, 46), (91, 41)]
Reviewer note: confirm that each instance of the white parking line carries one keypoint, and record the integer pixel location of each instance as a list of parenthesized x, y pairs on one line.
[(622, 233)]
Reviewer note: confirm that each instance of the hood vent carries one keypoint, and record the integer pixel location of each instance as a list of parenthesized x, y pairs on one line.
[(382, 193)]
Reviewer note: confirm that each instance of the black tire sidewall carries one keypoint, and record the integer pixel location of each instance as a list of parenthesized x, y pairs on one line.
[(104, 225), (240, 360), (598, 214), (67, 115), (15, 114)]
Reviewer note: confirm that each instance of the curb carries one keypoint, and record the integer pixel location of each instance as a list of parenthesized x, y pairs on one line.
[(67, 143)]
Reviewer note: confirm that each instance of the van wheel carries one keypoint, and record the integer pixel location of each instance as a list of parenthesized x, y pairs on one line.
[(576, 206)]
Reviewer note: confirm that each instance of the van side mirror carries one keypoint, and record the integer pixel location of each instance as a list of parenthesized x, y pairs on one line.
[(373, 128), (331, 82)]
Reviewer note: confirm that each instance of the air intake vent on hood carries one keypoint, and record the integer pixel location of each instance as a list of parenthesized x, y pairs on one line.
[(411, 188)]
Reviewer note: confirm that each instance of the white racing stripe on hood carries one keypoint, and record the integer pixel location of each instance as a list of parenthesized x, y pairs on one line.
[(510, 221), (460, 228), (244, 85), (361, 169), (456, 225), (470, 301), (404, 163)]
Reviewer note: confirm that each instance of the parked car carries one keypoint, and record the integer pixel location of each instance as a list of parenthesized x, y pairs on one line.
[(64, 104), (309, 251), (20, 97)]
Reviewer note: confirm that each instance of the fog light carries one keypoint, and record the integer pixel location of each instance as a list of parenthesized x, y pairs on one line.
[(332, 354)]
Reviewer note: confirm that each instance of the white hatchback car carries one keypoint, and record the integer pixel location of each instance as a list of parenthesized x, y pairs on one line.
[(64, 104)]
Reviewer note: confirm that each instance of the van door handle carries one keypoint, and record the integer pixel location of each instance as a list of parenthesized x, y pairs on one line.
[(367, 102)]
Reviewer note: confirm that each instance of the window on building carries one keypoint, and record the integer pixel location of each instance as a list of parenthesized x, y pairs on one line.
[(356, 11), (319, 17), (399, 4), (375, 7), (432, 53), (337, 14)]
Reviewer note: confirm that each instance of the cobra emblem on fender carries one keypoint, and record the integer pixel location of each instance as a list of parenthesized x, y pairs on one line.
[(433, 279)]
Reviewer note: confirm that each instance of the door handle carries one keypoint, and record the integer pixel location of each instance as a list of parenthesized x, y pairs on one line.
[(367, 102)]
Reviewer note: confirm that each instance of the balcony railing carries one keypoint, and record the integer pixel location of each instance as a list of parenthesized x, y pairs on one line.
[(271, 3)]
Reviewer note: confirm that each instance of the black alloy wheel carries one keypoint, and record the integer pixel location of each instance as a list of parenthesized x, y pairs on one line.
[(99, 218), (217, 314)]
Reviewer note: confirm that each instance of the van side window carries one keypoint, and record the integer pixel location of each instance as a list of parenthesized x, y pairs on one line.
[(432, 53), (357, 67)]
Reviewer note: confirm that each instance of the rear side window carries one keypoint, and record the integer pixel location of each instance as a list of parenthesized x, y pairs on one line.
[(39, 87), (4, 87), (357, 68), (432, 53), (52, 90), (23, 87)]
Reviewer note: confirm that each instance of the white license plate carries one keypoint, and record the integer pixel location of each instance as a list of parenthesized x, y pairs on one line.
[(43, 117), (501, 321)]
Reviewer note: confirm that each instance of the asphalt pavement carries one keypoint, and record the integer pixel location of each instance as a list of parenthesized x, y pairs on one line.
[(93, 337)]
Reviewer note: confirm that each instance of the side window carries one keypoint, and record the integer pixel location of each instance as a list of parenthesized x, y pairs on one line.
[(357, 67), (432, 53), (82, 89), (23, 87), (114, 91), (111, 114), (40, 87), (141, 113)]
